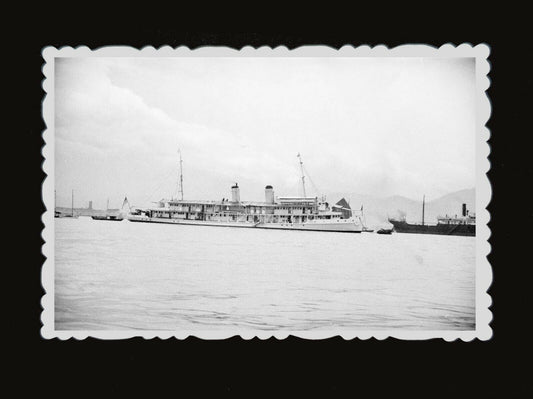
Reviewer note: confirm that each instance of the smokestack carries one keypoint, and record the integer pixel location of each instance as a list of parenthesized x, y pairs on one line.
[(269, 194), (464, 210), (235, 194)]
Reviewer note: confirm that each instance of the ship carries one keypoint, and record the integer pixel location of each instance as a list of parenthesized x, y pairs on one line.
[(282, 213), (463, 225)]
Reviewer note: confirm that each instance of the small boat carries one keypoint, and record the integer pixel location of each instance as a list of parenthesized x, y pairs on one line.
[(109, 216), (72, 215), (116, 218), (384, 231)]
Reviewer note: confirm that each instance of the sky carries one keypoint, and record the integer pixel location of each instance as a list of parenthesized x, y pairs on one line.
[(375, 126)]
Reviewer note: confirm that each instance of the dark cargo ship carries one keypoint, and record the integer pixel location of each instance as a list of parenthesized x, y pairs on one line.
[(465, 225)]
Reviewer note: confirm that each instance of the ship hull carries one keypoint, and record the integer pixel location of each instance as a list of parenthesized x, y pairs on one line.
[(145, 219), (440, 229), (339, 227)]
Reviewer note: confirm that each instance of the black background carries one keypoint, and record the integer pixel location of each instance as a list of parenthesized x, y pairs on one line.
[(495, 368)]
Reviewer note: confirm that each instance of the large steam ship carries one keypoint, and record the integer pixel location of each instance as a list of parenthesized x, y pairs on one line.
[(464, 225), (286, 213)]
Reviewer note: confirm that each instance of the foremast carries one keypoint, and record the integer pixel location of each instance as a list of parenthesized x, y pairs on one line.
[(302, 170), (181, 176)]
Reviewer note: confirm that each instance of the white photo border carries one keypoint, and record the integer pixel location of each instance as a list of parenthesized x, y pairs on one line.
[(483, 273)]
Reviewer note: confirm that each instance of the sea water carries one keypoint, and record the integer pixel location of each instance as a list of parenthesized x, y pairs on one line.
[(125, 275)]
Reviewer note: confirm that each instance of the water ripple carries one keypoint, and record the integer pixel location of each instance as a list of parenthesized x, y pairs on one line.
[(142, 276)]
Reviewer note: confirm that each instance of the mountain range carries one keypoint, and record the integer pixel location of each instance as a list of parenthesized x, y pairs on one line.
[(377, 210)]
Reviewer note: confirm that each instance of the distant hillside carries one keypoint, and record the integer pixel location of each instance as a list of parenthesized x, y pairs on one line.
[(377, 210)]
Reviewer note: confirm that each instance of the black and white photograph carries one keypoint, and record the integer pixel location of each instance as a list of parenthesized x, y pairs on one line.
[(264, 192)]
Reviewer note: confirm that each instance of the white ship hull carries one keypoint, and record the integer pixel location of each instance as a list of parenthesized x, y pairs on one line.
[(145, 219), (339, 225)]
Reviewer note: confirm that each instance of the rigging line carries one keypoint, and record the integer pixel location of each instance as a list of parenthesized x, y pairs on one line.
[(181, 176), (157, 189), (311, 180), (297, 185), (175, 191), (159, 184), (179, 183)]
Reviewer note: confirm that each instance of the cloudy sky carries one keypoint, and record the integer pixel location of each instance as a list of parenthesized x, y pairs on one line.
[(378, 126)]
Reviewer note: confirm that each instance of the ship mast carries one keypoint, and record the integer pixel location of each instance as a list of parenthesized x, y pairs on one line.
[(181, 175), (72, 204), (423, 208), (107, 206), (303, 176)]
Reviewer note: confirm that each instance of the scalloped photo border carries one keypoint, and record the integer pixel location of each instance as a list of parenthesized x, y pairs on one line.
[(483, 276)]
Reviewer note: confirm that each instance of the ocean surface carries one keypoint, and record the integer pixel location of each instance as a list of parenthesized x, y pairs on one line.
[(124, 276)]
